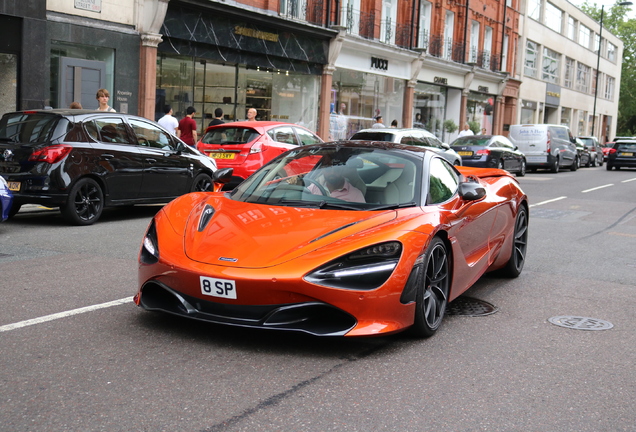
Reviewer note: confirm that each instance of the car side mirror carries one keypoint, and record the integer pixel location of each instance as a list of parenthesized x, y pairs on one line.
[(471, 191), (445, 146), (222, 177)]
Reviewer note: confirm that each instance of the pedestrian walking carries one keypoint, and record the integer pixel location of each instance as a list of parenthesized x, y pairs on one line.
[(188, 127), (378, 123), (218, 117), (168, 122), (466, 131)]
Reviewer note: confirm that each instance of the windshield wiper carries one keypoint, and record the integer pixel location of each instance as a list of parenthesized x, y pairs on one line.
[(329, 204), (393, 206)]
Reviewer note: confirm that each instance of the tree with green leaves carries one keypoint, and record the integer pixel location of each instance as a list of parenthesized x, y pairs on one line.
[(614, 20)]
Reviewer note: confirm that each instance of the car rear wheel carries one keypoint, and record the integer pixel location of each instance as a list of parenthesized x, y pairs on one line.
[(85, 203), (575, 164), (608, 166), (522, 169), (202, 183), (15, 208), (519, 246), (432, 291)]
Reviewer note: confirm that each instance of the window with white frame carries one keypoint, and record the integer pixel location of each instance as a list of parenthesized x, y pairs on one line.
[(487, 47), (532, 59), (350, 16), (504, 55), (389, 21), (534, 9), (584, 36), (449, 27), (597, 42), (425, 24), (553, 17), (593, 81), (610, 85), (568, 76), (571, 28), (550, 65), (611, 52), (474, 42), (293, 9), (582, 77)]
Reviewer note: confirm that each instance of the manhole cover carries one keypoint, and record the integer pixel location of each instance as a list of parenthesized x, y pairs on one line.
[(581, 323), (468, 306)]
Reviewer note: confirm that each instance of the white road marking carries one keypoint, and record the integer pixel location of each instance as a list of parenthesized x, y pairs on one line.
[(629, 180), (597, 188), (548, 201), (59, 315)]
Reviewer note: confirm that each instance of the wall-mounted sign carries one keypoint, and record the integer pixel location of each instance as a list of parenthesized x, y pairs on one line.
[(257, 34), (89, 5), (440, 80), (378, 63), (483, 89)]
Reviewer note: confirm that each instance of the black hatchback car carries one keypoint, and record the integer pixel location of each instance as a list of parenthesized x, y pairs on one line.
[(490, 151), (82, 161), (623, 154)]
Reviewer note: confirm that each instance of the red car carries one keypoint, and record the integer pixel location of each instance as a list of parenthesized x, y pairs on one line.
[(606, 149), (372, 238), (247, 146)]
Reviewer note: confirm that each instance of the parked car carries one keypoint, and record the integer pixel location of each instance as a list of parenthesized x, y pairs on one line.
[(6, 199), (584, 153), (606, 149), (246, 146), (298, 251), (595, 149), (490, 151), (546, 146), (413, 136), (83, 161), (622, 154)]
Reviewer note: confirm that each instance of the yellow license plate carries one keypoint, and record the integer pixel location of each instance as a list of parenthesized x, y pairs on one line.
[(627, 154), (14, 186), (218, 155), (465, 153)]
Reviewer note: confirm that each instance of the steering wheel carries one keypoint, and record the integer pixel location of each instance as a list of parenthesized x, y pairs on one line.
[(320, 187)]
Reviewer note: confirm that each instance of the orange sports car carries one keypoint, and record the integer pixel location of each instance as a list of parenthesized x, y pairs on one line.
[(336, 239)]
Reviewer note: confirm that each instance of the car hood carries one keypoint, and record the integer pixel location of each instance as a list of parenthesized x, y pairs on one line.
[(222, 231)]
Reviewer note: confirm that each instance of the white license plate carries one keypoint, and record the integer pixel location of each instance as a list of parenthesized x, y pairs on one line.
[(224, 288), (536, 159)]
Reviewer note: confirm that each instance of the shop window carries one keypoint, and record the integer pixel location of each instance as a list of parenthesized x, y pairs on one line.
[(531, 65)]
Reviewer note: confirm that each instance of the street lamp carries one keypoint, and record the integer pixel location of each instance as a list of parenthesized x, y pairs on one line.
[(598, 59)]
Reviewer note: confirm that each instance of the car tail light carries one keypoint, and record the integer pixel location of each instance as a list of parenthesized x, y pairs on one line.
[(50, 154), (257, 147), (612, 151), (548, 146), (483, 152)]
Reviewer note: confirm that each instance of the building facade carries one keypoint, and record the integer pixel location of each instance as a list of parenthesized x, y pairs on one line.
[(558, 63)]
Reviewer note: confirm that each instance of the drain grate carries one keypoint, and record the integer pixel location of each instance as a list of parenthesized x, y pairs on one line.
[(581, 323), (468, 306)]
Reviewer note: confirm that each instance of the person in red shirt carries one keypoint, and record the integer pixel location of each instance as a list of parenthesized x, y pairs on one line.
[(188, 127)]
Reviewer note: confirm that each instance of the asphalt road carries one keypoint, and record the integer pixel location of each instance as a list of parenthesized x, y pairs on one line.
[(91, 365)]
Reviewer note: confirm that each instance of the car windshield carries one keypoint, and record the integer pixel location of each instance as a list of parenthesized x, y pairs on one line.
[(373, 136), (336, 177), (467, 141), (27, 128), (230, 135)]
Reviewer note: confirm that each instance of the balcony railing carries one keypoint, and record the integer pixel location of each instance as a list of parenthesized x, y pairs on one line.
[(312, 11)]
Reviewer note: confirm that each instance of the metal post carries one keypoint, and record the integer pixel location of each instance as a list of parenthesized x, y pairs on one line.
[(598, 64)]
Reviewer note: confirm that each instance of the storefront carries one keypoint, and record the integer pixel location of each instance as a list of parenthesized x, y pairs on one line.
[(235, 60), (480, 109), (429, 107)]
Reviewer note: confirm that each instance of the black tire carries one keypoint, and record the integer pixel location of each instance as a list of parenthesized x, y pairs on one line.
[(15, 208), (522, 169), (85, 203), (500, 164), (554, 168), (514, 266), (594, 163), (608, 167), (600, 163), (575, 164), (202, 183), (432, 290)]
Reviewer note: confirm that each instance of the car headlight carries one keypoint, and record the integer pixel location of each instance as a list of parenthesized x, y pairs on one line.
[(150, 247), (364, 269)]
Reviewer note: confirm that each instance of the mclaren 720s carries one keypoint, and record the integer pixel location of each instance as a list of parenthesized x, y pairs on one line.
[(336, 239)]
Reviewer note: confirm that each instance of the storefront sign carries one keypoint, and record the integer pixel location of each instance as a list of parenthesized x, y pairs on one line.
[(440, 80), (378, 63), (89, 5), (552, 95), (257, 34), (122, 99), (483, 89)]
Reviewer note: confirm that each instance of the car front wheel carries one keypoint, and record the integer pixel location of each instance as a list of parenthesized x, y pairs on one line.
[(85, 203), (519, 245), (522, 169), (202, 183), (432, 291)]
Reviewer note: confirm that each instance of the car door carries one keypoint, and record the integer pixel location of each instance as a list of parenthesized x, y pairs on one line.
[(119, 162), (283, 138), (562, 139), (166, 174), (511, 161), (306, 138)]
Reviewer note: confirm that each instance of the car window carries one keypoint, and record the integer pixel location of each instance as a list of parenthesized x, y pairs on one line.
[(559, 132), (108, 130), (433, 142), (27, 128), (443, 181), (408, 140), (306, 137), (284, 134), (149, 135), (229, 135), (504, 144)]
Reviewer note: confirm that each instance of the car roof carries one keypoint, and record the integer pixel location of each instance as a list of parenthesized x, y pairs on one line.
[(70, 112), (259, 125), (384, 145)]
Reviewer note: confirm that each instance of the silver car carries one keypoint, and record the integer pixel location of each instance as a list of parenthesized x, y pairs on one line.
[(417, 137)]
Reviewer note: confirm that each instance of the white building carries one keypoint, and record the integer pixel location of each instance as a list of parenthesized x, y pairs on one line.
[(558, 63)]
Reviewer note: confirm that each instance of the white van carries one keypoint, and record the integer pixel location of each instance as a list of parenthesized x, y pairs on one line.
[(546, 146)]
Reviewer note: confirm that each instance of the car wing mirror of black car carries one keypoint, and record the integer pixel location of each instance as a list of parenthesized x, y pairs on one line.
[(223, 175), (471, 191)]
